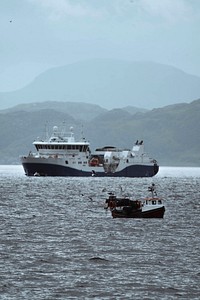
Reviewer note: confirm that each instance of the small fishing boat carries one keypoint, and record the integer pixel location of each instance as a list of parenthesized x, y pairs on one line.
[(124, 207)]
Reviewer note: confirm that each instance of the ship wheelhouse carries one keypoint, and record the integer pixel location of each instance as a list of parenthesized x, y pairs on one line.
[(60, 144)]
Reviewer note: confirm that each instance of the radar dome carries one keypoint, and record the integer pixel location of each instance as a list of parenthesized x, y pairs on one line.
[(55, 129)]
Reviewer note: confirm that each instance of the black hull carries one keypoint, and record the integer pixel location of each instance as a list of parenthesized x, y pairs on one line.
[(58, 170), (128, 213)]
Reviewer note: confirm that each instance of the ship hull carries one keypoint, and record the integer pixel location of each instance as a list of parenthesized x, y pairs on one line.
[(50, 169), (128, 213)]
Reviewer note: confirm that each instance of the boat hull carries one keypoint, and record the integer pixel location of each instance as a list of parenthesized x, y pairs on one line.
[(50, 169), (128, 213)]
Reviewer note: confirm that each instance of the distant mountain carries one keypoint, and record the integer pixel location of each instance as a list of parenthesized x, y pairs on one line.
[(133, 110), (78, 110), (110, 84), (171, 134)]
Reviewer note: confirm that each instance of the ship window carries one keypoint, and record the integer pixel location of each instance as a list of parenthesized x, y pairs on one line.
[(153, 202), (159, 202), (80, 162), (83, 148), (66, 162)]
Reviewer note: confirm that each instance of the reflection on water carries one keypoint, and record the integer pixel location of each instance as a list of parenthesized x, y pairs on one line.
[(58, 242)]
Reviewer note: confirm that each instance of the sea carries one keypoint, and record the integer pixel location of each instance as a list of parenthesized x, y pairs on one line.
[(57, 241)]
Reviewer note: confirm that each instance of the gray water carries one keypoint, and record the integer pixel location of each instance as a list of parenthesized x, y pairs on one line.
[(58, 242)]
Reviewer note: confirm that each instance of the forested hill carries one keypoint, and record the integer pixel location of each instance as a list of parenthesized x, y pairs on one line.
[(171, 134)]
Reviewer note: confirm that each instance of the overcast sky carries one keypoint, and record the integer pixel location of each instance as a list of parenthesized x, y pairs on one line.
[(39, 34)]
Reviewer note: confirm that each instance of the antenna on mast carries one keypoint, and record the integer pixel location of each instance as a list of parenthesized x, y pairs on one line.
[(63, 129), (82, 136), (46, 131)]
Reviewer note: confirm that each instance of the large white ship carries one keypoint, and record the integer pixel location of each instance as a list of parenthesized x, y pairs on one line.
[(62, 155)]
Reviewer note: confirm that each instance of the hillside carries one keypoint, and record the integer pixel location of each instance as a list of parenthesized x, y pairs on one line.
[(110, 83), (171, 133), (78, 110)]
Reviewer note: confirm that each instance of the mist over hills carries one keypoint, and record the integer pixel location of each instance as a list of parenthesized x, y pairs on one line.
[(110, 84), (171, 133), (77, 110)]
